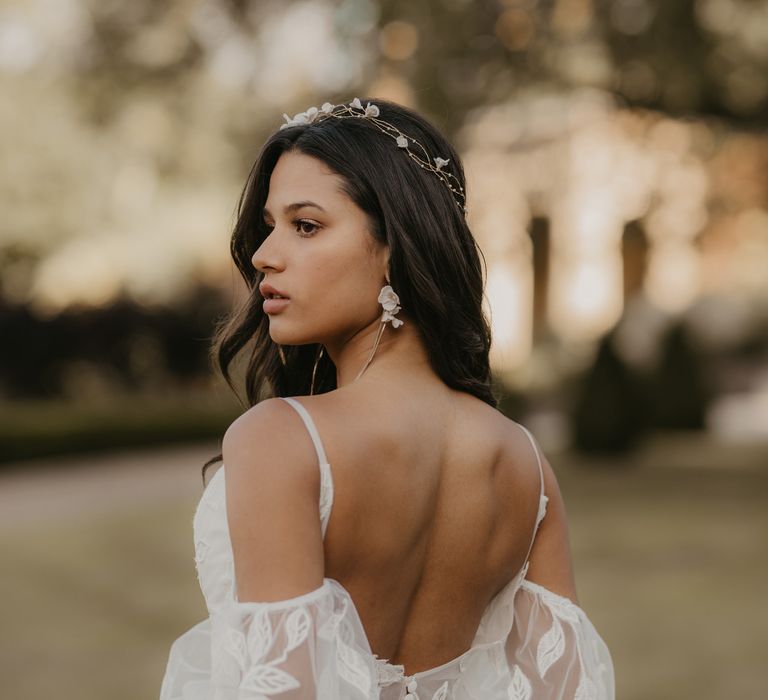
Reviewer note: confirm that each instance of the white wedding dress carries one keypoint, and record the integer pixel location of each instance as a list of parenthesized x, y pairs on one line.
[(531, 643)]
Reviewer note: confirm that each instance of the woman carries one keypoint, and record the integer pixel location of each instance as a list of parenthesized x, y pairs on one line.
[(371, 400)]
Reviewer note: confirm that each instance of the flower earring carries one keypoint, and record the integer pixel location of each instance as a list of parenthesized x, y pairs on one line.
[(391, 304)]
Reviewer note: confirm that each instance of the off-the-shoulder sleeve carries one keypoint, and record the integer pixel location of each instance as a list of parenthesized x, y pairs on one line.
[(311, 646), (554, 651)]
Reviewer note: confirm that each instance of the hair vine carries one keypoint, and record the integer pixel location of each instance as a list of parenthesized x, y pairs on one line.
[(371, 112)]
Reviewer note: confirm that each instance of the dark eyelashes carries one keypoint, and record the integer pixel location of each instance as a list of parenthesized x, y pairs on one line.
[(297, 224), (302, 222)]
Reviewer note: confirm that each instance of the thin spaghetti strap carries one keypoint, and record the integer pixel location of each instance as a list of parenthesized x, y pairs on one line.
[(542, 497), (538, 456), (310, 427), (326, 478)]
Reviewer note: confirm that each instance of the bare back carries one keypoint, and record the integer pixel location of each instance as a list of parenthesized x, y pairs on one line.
[(434, 508)]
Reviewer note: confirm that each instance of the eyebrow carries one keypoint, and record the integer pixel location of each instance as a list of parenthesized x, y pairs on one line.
[(295, 206)]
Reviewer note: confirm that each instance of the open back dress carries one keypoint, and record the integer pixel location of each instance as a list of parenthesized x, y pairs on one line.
[(531, 643)]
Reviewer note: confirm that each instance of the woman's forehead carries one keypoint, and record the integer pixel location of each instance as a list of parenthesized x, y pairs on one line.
[(298, 178), (294, 167)]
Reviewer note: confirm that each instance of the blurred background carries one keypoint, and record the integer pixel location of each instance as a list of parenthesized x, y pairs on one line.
[(617, 162)]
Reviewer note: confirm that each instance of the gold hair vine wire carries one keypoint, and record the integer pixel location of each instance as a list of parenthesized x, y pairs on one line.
[(370, 112)]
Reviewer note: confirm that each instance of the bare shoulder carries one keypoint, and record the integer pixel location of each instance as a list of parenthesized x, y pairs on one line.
[(272, 472), (491, 427), (274, 431), (518, 479), (277, 430)]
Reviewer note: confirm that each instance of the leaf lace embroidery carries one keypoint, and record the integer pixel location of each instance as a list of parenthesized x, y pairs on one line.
[(240, 659), (551, 646), (352, 668), (442, 692), (520, 687)]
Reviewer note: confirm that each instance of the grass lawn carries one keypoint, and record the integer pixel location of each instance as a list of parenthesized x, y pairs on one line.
[(671, 552)]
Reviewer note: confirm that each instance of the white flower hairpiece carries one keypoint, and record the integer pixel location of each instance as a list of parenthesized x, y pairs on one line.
[(371, 113)]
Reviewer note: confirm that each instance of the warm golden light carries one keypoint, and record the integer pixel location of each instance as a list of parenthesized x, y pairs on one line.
[(398, 40), (509, 295)]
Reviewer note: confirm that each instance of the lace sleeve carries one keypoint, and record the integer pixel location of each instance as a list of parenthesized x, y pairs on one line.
[(554, 651), (311, 646)]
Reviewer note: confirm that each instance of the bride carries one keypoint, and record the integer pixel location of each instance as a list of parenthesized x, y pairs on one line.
[(378, 528)]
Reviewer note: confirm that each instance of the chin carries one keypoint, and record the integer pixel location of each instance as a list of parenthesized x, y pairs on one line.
[(282, 335)]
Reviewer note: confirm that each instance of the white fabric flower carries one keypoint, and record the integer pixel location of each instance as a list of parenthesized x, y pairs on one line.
[(440, 162), (371, 110), (306, 117), (402, 141), (387, 316), (388, 299), (288, 121), (300, 118), (356, 103)]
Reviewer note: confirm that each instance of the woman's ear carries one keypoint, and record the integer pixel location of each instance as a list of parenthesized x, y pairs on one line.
[(386, 263)]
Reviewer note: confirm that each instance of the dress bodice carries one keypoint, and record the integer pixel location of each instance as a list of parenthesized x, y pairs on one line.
[(530, 641)]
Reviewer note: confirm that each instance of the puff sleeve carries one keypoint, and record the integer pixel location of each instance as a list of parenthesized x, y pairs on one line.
[(554, 651), (311, 646)]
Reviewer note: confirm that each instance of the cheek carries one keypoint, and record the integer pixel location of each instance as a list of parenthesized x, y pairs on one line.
[(348, 291), (340, 281)]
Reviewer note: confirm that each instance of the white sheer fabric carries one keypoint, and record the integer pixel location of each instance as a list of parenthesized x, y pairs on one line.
[(311, 646), (531, 644)]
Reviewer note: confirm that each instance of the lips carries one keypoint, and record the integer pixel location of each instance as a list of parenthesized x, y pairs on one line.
[(269, 292), (275, 306)]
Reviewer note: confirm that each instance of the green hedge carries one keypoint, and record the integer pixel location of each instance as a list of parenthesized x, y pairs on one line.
[(47, 428)]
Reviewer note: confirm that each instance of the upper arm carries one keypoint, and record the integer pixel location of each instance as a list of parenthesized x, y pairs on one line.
[(272, 497), (551, 560)]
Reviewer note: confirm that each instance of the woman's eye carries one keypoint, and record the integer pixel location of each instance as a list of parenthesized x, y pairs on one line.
[(304, 227), (301, 223)]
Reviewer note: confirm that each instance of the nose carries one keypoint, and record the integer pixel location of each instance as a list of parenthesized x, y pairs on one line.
[(266, 257)]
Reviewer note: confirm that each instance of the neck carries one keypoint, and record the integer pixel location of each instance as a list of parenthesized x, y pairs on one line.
[(379, 349)]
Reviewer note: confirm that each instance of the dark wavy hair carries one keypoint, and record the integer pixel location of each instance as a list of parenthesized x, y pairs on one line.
[(434, 260)]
